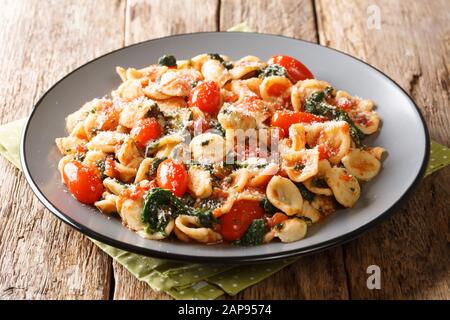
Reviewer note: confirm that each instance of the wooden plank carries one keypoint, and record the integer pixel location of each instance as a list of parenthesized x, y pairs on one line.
[(322, 275), (411, 46), (153, 19), (41, 257), (291, 18)]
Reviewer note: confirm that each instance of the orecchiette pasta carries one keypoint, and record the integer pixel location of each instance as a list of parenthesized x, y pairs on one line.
[(211, 149)]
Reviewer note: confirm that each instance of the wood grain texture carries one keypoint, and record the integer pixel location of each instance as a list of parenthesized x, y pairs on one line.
[(147, 20), (41, 257), (411, 46), (292, 18), (300, 280)]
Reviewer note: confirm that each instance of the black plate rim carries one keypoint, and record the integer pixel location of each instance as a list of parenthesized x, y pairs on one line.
[(229, 259)]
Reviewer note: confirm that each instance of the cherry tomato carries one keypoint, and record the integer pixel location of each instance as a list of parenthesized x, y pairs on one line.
[(284, 119), (83, 182), (206, 97), (295, 69), (146, 129), (172, 175), (236, 222), (277, 218)]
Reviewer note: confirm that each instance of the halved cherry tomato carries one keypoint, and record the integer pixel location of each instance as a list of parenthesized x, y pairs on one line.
[(83, 182), (284, 119), (206, 97), (277, 218), (172, 175), (146, 129), (236, 222), (295, 69)]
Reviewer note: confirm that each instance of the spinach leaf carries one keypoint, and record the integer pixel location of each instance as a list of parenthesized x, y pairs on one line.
[(227, 64), (306, 194), (268, 206), (155, 164), (161, 204), (316, 104), (254, 234), (167, 60), (274, 70)]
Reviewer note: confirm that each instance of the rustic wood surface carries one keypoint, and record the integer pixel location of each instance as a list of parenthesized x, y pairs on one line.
[(42, 258)]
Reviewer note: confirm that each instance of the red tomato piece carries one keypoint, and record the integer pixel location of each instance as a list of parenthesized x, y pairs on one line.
[(284, 119), (146, 129), (206, 97), (172, 176), (277, 218), (235, 223), (295, 69), (83, 182)]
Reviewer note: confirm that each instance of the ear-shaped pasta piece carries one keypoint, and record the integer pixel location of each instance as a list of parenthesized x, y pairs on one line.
[(113, 186), (62, 162), (108, 204), (126, 174), (143, 170), (130, 212), (92, 158), (122, 73), (127, 152), (191, 227), (246, 66), (152, 91), (324, 205), (169, 140), (274, 87), (332, 137), (129, 90), (301, 165), (377, 152), (207, 148), (253, 84), (106, 141), (78, 131), (178, 82), (242, 89), (362, 164), (68, 145), (284, 195), (135, 163), (291, 230), (78, 116), (263, 176), (240, 178), (366, 121), (345, 187), (302, 90), (317, 183), (135, 111), (159, 235), (297, 134), (90, 125), (200, 184), (199, 60), (213, 70), (310, 212), (233, 118)]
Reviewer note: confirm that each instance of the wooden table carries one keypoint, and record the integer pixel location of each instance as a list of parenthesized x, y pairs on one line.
[(41, 41)]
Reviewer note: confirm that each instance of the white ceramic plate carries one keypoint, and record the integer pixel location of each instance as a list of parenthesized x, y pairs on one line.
[(403, 134)]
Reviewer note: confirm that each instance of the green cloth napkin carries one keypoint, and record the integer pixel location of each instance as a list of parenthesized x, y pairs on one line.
[(190, 280)]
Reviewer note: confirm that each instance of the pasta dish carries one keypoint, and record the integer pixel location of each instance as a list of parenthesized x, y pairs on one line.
[(212, 150)]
